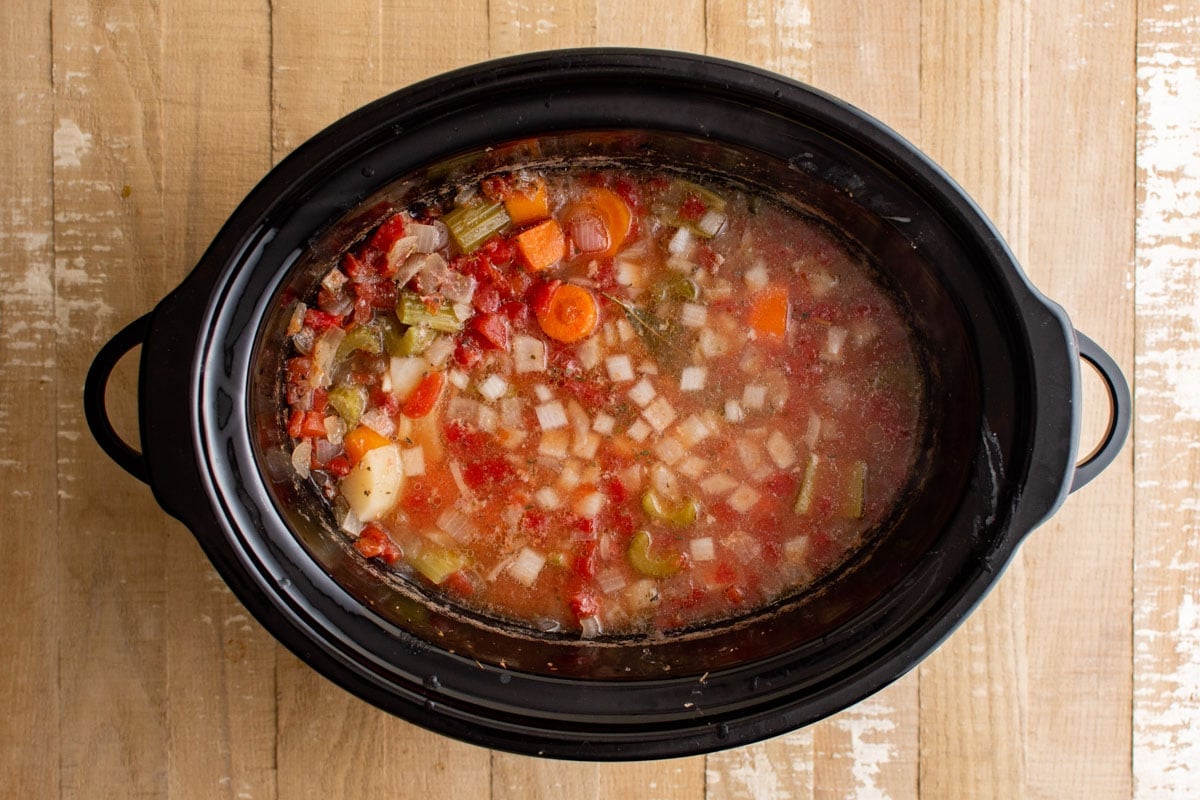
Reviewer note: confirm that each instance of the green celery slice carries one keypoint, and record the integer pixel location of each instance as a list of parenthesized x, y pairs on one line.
[(411, 310), (640, 557), (471, 226)]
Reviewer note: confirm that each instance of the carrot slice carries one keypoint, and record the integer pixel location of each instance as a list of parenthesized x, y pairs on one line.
[(570, 313), (528, 202), (769, 311), (361, 441), (541, 246), (611, 211)]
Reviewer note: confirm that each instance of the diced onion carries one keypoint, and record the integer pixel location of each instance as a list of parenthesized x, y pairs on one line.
[(692, 379), (302, 459), (820, 283), (711, 223), (378, 420), (413, 459), (781, 450), (702, 549), (754, 396), (551, 415), (429, 238), (733, 411), (625, 331), (406, 373), (796, 549), (692, 431), (324, 352), (456, 524), (399, 253), (603, 424), (547, 498), (493, 387), (296, 321), (589, 505), (756, 277), (681, 242), (693, 315), (659, 414), (512, 412), (610, 581), (590, 627), (693, 467), (554, 444), (743, 499), (568, 477), (712, 344), (620, 368), (669, 450), (458, 378), (589, 352), (351, 524), (525, 567), (438, 352), (835, 338), (543, 393), (639, 430), (629, 273), (718, 484), (324, 450), (456, 474), (587, 447), (529, 353), (813, 433), (588, 232), (642, 393)]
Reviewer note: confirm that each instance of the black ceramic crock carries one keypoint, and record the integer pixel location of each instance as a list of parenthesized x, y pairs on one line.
[(999, 456)]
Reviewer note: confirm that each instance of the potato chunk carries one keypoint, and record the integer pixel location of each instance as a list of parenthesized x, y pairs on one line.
[(373, 486)]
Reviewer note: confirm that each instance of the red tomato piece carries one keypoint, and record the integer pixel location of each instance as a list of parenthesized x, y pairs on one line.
[(486, 299), (425, 396), (468, 353), (492, 329), (387, 234), (459, 583), (313, 424), (339, 466), (584, 563), (540, 295), (486, 472), (373, 542), (295, 424), (692, 208), (320, 320), (583, 604)]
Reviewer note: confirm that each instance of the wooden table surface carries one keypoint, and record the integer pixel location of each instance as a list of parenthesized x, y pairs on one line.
[(131, 130)]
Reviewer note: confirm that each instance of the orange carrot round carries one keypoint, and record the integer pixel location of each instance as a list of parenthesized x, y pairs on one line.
[(605, 207), (569, 314)]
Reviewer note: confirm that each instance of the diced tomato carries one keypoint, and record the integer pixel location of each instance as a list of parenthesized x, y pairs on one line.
[(583, 603), (495, 188), (584, 563), (622, 523), (692, 208), (540, 295), (376, 294), (421, 496), (425, 396), (735, 594), (385, 401), (534, 520), (468, 352), (298, 369), (354, 267), (459, 583), (585, 524), (781, 484), (303, 424), (488, 471), (320, 320), (517, 312), (387, 234), (628, 191), (373, 542), (339, 466), (492, 329), (499, 250), (486, 299), (320, 400), (615, 490), (706, 257)]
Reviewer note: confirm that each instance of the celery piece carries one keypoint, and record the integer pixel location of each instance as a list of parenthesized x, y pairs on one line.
[(393, 334), (652, 566), (857, 494), (471, 226), (807, 486), (437, 563), (416, 340), (349, 402), (367, 338), (411, 310), (681, 515)]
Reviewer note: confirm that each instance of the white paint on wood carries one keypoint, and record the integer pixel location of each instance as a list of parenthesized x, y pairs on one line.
[(71, 143)]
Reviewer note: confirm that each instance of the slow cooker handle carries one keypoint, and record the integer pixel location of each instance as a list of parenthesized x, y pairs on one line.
[(94, 407), (1120, 412)]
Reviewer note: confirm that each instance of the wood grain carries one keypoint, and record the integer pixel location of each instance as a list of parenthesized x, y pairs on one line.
[(128, 670)]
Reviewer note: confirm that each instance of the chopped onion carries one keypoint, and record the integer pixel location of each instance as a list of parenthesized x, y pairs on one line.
[(324, 352), (568, 477), (528, 353), (712, 344), (692, 431), (458, 379), (610, 581), (620, 368), (413, 459), (457, 525), (718, 484), (733, 411), (456, 474), (639, 430), (586, 447), (693, 467), (589, 505), (631, 477), (781, 450), (681, 242), (581, 423), (512, 412), (702, 549), (589, 352), (756, 277), (820, 283), (693, 315), (547, 498), (351, 524), (551, 415), (406, 373), (664, 481), (304, 340), (493, 387), (796, 549), (335, 429), (743, 499), (625, 331), (643, 593), (302, 459), (691, 379), (438, 352), (835, 338), (296, 321), (669, 450), (648, 368), (629, 273), (589, 627), (379, 421), (588, 232), (543, 393), (324, 450), (711, 223), (642, 393), (429, 238), (399, 253), (554, 444), (754, 396), (603, 424), (525, 567), (748, 452), (659, 414)]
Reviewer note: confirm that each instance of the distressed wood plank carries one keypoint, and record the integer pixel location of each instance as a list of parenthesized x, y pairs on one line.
[(1080, 252), (329, 743), (216, 145), (108, 269), (1166, 603), (29, 571), (974, 122)]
